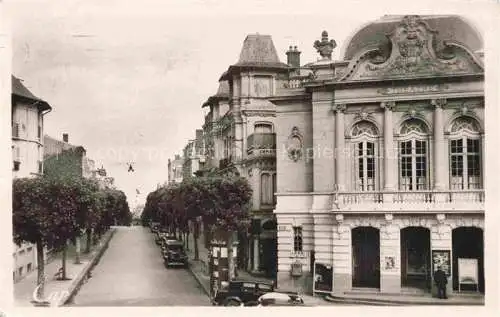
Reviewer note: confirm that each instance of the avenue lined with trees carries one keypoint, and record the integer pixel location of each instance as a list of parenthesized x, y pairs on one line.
[(220, 205), (51, 211)]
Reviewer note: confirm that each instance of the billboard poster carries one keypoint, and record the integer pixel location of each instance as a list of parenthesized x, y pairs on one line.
[(468, 272), (441, 258)]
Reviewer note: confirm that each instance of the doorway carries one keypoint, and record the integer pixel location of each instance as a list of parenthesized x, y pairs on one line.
[(467, 242), (415, 258), (366, 257)]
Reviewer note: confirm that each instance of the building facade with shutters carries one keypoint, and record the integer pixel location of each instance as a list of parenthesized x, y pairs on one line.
[(382, 170), (193, 156), (175, 169), (28, 112)]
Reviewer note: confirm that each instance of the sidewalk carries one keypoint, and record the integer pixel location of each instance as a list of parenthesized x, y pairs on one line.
[(199, 269), (402, 299), (58, 292)]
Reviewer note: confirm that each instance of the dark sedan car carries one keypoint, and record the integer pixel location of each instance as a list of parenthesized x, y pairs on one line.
[(174, 254), (239, 293)]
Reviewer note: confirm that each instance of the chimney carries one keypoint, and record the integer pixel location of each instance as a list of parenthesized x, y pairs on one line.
[(65, 137), (293, 57)]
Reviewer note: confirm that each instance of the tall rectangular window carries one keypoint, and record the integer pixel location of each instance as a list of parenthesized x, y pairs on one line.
[(465, 164), (365, 166), (266, 189), (297, 239), (413, 165), (15, 129), (275, 189)]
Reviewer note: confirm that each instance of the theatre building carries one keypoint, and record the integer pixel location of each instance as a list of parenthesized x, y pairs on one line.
[(380, 168)]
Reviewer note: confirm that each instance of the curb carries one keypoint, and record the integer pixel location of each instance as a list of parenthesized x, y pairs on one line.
[(377, 302), (344, 300), (199, 280), (79, 280)]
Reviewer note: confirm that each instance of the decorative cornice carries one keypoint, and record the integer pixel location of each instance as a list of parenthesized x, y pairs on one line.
[(259, 113)]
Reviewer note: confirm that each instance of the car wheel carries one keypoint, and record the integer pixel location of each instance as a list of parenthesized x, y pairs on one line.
[(232, 302)]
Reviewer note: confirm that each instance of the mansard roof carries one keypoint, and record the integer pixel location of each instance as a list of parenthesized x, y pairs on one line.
[(259, 52), (221, 94)]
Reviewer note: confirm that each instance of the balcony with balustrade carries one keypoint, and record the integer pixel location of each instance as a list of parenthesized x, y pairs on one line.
[(261, 145), (425, 201)]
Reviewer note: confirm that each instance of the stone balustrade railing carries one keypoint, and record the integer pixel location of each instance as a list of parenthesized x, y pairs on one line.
[(384, 201)]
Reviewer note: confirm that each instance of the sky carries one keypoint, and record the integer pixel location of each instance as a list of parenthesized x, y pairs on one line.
[(126, 79)]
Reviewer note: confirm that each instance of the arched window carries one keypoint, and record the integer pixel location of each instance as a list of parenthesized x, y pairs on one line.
[(263, 127), (266, 189), (413, 155), (364, 139), (465, 154)]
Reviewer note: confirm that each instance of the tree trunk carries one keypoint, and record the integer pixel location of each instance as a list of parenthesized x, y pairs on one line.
[(89, 241), (230, 260), (196, 233), (63, 277), (40, 269), (77, 250), (187, 240)]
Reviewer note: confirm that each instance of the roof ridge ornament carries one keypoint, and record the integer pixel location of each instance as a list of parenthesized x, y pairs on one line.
[(325, 46)]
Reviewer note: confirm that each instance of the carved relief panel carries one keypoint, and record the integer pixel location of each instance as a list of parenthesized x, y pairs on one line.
[(414, 50), (262, 86)]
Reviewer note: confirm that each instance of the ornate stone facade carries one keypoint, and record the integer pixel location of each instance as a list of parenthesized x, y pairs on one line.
[(383, 184)]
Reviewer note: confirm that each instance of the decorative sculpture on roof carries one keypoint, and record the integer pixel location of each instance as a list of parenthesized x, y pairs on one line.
[(325, 47), (413, 49)]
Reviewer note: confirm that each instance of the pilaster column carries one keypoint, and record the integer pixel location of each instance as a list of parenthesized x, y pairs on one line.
[(238, 130), (439, 145), (389, 149), (342, 255), (340, 152), (441, 239), (390, 256)]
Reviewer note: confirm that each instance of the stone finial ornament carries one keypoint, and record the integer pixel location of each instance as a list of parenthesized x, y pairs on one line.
[(325, 46)]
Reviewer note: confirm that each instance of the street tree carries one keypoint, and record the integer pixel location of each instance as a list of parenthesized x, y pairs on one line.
[(41, 217)]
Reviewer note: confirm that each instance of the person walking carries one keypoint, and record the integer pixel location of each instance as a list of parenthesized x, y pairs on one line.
[(441, 280)]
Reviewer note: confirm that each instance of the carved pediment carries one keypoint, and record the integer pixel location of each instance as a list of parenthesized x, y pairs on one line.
[(413, 50)]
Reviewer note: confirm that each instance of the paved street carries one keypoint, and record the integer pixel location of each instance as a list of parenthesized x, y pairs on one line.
[(131, 273)]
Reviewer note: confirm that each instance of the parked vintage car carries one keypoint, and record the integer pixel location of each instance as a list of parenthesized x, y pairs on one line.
[(166, 237), (239, 292), (174, 254), (280, 299), (162, 232)]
